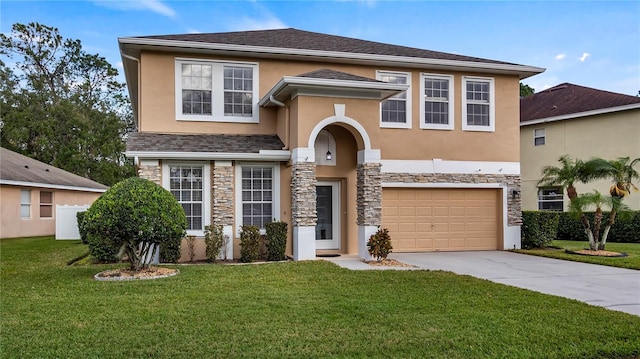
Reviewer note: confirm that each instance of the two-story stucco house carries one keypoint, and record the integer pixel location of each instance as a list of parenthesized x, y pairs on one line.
[(583, 123), (335, 136)]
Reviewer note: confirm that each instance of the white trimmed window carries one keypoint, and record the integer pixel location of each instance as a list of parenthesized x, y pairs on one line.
[(189, 184), (395, 112), (539, 137), (478, 104), (46, 204), (436, 105), (550, 199), (258, 195), (25, 204), (216, 91)]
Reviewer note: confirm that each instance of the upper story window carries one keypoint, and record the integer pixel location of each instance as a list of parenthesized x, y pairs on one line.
[(395, 112), (216, 91), (25, 204), (550, 199), (539, 137), (436, 106), (478, 104), (46, 204)]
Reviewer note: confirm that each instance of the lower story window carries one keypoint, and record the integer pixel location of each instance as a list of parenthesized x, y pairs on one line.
[(550, 199), (46, 204), (257, 195), (25, 203), (186, 185)]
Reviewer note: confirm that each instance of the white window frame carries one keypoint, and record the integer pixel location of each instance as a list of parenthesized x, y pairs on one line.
[(275, 196), (408, 119), (217, 92), (559, 193), (537, 136), (25, 194), (46, 204), (492, 105), (206, 190), (435, 126)]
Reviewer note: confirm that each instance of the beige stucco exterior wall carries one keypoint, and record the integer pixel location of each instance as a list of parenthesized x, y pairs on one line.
[(607, 136), (12, 225), (157, 106)]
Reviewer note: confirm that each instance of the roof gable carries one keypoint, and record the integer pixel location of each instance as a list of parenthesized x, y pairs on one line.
[(17, 168), (567, 99)]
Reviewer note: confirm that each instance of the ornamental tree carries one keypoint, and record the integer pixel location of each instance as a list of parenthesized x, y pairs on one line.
[(137, 216)]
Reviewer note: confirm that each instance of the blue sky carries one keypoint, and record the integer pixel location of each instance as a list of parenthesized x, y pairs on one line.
[(589, 43)]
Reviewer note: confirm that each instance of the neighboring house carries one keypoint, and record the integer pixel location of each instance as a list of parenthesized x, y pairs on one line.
[(581, 122), (335, 136), (30, 191)]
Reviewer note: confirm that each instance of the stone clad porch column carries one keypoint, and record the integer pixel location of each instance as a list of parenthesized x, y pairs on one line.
[(303, 203), (222, 180), (369, 198)]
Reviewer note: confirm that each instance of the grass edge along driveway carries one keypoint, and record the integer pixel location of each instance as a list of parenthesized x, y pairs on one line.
[(631, 261), (309, 309)]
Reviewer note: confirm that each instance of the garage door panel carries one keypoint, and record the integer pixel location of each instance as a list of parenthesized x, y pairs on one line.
[(441, 219)]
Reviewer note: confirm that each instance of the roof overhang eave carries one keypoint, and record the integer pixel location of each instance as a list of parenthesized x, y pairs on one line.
[(569, 116), (262, 155), (135, 44)]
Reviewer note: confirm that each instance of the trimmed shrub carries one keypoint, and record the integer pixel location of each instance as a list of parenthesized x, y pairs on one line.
[(625, 229), (82, 226), (379, 244), (134, 214), (276, 240), (539, 228), (249, 243), (102, 248), (215, 241)]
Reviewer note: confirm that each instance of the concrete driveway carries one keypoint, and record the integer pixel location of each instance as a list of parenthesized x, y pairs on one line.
[(609, 287)]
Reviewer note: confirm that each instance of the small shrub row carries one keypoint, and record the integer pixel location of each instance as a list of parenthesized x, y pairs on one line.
[(379, 244), (626, 228), (254, 246), (539, 228)]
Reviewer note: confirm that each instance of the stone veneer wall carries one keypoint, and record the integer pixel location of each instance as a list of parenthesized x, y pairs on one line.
[(152, 173), (222, 195), (514, 214), (369, 195), (303, 194)]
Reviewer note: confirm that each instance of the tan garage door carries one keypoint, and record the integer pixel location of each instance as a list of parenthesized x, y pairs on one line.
[(427, 219)]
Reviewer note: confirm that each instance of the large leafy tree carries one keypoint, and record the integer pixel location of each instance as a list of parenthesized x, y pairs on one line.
[(61, 105), (526, 90)]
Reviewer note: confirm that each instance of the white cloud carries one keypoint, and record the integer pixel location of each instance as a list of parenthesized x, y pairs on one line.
[(560, 56), (269, 22), (584, 56), (153, 5)]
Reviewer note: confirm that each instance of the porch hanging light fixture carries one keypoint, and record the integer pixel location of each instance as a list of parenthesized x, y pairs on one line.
[(328, 155)]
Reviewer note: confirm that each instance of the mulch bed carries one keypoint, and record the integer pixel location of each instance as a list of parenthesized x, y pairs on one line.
[(120, 274), (388, 262), (600, 253)]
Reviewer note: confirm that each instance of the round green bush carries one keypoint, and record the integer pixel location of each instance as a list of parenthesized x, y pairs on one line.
[(134, 211)]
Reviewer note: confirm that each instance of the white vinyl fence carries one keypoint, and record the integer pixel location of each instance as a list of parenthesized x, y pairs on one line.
[(66, 221)]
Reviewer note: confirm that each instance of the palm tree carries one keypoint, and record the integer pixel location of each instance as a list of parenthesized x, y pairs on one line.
[(569, 172), (595, 198), (623, 173)]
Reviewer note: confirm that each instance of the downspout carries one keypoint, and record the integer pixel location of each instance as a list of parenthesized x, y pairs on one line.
[(137, 115), (286, 120)]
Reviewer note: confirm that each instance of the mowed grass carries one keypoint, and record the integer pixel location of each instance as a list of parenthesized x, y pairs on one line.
[(308, 309), (631, 261)]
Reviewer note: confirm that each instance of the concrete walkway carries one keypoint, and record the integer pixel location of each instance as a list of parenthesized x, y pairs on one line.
[(609, 287)]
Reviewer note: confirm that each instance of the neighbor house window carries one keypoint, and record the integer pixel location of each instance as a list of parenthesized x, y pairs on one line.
[(25, 203), (216, 91), (186, 185), (395, 112), (436, 106), (539, 137), (46, 204), (478, 104), (550, 199)]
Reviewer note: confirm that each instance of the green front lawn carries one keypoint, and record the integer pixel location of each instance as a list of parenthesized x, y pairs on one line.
[(631, 261), (287, 310)]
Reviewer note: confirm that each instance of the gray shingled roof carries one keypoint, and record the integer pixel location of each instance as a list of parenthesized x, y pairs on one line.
[(306, 40), (330, 74), (567, 99), (160, 142), (20, 168)]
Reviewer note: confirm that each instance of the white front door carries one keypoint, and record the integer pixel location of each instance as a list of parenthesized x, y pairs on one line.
[(328, 210)]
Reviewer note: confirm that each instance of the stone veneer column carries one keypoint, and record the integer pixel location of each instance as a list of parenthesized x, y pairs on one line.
[(303, 207), (369, 204), (222, 182), (150, 169)]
